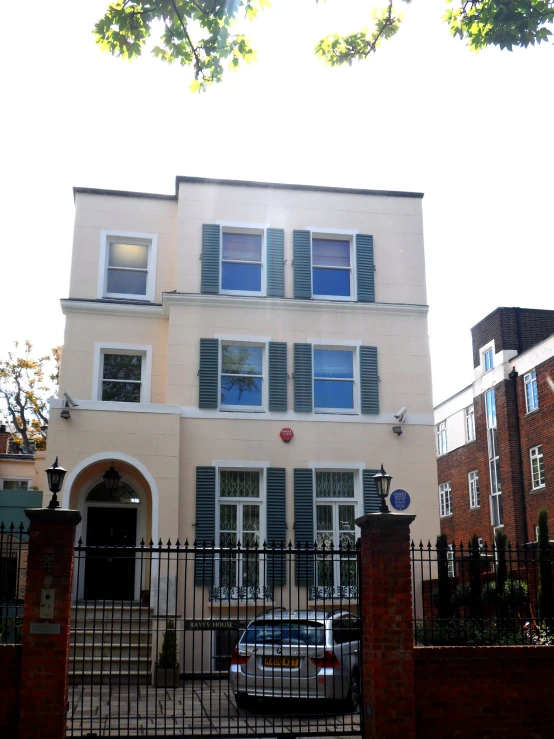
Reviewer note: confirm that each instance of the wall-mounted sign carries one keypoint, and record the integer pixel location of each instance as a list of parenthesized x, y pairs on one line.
[(399, 499), (286, 435)]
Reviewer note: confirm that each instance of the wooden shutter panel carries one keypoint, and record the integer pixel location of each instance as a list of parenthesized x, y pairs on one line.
[(211, 238), (372, 501), (302, 257), (303, 381), (304, 525), (205, 526), (277, 376), (275, 262), (276, 526), (369, 380), (208, 378), (365, 269)]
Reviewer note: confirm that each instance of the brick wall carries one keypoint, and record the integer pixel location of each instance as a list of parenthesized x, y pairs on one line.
[(521, 504), (454, 467), (10, 668), (537, 428), (484, 692)]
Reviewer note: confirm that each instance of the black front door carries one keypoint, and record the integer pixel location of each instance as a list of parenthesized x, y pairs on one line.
[(110, 570)]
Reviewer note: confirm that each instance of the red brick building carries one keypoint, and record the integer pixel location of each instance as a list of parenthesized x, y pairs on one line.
[(495, 438)]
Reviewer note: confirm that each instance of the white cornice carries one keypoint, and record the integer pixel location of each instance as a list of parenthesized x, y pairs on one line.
[(113, 309), (237, 301), (103, 405), (318, 306)]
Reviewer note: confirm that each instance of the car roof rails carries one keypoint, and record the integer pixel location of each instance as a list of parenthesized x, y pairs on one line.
[(271, 610)]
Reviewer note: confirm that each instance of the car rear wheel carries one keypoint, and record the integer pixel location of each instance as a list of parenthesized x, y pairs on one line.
[(242, 700), (353, 698)]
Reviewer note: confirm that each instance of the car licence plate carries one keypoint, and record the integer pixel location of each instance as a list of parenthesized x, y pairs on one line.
[(281, 662)]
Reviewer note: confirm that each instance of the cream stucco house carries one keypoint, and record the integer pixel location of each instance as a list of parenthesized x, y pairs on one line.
[(200, 325)]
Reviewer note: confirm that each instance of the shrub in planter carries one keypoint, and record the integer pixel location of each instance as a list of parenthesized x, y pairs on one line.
[(166, 674)]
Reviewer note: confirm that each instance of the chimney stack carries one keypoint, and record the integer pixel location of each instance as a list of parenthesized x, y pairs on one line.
[(4, 439)]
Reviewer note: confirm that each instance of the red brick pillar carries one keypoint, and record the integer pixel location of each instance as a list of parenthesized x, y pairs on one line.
[(45, 643), (387, 636)]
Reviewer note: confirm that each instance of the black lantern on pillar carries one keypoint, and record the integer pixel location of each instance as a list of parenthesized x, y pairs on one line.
[(55, 475), (111, 479), (382, 483)]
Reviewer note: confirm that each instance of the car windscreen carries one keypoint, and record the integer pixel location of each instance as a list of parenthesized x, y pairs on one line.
[(310, 633)]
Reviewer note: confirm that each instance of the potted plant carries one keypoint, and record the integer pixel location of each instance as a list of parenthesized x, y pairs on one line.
[(166, 674)]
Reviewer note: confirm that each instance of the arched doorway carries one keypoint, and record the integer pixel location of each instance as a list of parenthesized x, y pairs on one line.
[(111, 535)]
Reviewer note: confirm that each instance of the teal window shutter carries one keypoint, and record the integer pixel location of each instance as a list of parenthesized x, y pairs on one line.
[(277, 376), (369, 380), (275, 262), (276, 526), (303, 380), (208, 373), (372, 501), (211, 237), (304, 525), (205, 526), (302, 257), (365, 269)]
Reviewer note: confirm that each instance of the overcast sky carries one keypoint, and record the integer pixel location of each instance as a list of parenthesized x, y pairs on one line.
[(472, 131)]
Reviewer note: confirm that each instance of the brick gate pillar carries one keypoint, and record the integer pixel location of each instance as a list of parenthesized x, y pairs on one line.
[(387, 635), (46, 623)]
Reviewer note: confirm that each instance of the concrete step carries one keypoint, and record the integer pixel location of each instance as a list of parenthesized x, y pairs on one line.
[(114, 651), (99, 636)]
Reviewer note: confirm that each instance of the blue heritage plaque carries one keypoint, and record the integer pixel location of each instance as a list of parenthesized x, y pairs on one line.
[(399, 499)]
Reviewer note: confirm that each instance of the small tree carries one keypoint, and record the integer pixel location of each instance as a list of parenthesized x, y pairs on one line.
[(444, 600), (168, 655), (545, 599), (24, 393)]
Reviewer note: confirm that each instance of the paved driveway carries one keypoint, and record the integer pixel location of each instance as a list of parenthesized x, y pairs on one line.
[(201, 707)]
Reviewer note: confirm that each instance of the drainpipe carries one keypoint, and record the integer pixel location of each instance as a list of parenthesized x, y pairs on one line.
[(513, 376)]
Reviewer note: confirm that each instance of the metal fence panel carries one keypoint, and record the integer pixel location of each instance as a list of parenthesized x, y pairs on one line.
[(226, 653)]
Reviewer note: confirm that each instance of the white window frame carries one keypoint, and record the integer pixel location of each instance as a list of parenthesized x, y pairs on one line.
[(339, 235), (150, 240), (259, 229), (101, 348), (470, 423), (450, 561), (8, 478), (473, 486), (258, 341), (242, 466), (442, 438), (495, 499), (536, 455), (485, 352), (530, 385), (357, 501), (354, 347), (445, 510)]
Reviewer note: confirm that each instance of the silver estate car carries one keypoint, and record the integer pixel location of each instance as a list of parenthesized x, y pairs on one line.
[(298, 654)]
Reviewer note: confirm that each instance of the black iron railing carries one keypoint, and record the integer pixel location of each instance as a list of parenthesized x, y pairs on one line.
[(13, 568), (482, 595), (215, 641)]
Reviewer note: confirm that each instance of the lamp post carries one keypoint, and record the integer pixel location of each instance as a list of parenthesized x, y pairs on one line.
[(55, 475), (111, 479), (382, 483)]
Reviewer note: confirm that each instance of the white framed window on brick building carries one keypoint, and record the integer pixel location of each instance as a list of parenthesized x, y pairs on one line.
[(122, 373), (537, 467), (470, 423), (488, 359), (445, 499), (127, 265), (442, 441), (473, 483), (531, 391)]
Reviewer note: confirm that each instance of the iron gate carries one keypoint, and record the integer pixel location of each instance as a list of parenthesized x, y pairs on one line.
[(216, 642)]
